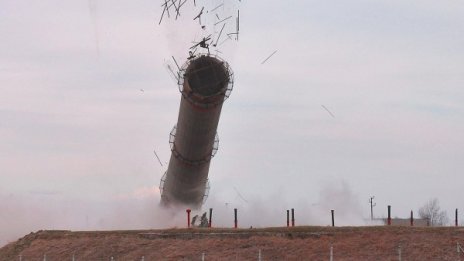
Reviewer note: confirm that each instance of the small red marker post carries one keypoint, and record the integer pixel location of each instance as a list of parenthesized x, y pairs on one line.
[(288, 218), (188, 217)]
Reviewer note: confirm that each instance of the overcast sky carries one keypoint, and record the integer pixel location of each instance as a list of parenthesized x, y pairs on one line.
[(86, 97)]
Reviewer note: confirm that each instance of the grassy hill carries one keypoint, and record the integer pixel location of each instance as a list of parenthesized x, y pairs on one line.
[(298, 243)]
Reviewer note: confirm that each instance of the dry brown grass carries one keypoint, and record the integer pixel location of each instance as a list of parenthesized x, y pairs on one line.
[(299, 243)]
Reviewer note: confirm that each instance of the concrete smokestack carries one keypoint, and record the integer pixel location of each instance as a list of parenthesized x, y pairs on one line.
[(205, 82)]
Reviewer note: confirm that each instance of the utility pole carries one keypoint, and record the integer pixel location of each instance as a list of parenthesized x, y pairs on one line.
[(371, 201)]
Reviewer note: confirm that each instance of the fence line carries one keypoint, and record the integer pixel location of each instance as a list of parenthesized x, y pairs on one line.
[(259, 256)]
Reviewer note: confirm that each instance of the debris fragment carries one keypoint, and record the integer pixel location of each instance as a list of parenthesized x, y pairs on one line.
[(269, 57), (176, 63), (203, 43), (238, 23), (199, 15), (158, 158), (219, 36), (331, 114), (162, 14), (176, 76), (240, 195), (223, 20), (214, 9)]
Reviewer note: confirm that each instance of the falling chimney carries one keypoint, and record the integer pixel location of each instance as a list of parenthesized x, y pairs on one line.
[(204, 82)]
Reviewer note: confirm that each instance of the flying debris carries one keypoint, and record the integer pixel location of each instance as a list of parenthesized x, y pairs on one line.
[(182, 4), (176, 76), (175, 7), (223, 41), (331, 114), (199, 15), (179, 6), (203, 43), (240, 195), (237, 24), (176, 63), (227, 18), (191, 54), (162, 15), (165, 10), (228, 38), (265, 60), (229, 34), (158, 158), (214, 9), (219, 36)]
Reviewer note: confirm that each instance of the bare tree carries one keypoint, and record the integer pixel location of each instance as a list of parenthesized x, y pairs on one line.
[(432, 212)]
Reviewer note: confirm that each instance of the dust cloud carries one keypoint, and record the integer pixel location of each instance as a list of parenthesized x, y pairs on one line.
[(272, 211), (22, 214)]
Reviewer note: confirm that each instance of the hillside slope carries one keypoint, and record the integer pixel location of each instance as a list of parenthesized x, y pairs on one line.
[(299, 243)]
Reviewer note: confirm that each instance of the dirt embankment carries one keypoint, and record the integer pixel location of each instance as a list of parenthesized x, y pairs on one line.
[(299, 243)]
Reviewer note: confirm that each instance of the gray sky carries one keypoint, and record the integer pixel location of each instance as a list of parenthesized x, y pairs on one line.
[(77, 133)]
